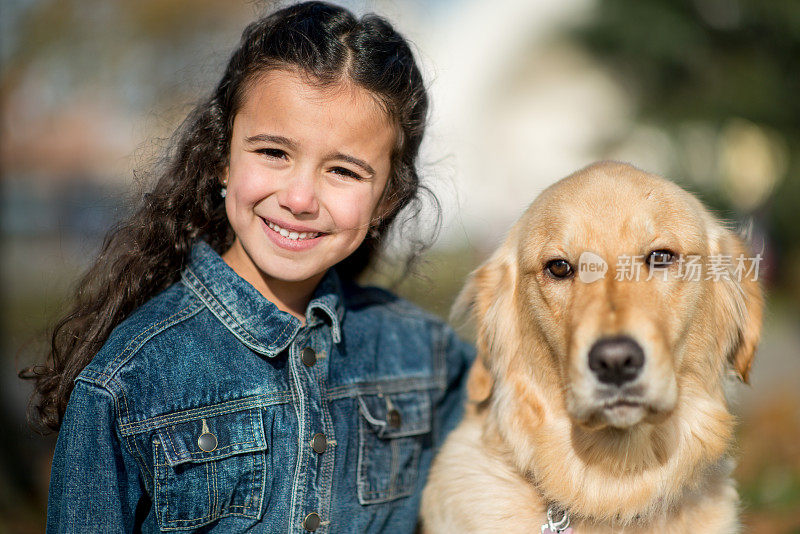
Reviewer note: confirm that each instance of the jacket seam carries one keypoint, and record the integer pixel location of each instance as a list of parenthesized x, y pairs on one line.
[(298, 396), (390, 386), (161, 421), (109, 371), (126, 418), (207, 296), (217, 453), (114, 398), (139, 456), (206, 293), (150, 331), (440, 370)]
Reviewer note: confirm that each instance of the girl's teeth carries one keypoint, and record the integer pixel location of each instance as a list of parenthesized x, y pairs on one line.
[(292, 235)]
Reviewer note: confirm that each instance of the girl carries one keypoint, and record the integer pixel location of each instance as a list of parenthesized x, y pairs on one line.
[(220, 370)]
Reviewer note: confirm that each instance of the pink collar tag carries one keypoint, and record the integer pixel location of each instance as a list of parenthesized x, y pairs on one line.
[(547, 530)]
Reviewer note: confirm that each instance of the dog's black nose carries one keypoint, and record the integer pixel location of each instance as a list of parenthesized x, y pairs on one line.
[(616, 360)]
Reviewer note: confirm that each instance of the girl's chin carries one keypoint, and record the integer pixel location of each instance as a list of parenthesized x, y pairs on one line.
[(292, 273)]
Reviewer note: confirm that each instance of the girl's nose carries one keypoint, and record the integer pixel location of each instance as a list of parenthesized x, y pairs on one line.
[(298, 194)]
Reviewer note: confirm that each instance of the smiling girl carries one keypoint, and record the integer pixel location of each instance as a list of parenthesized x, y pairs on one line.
[(220, 369)]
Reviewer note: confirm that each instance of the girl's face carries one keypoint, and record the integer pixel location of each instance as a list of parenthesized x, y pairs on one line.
[(308, 167)]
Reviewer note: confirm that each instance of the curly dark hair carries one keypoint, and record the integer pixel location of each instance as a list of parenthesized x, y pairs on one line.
[(145, 254)]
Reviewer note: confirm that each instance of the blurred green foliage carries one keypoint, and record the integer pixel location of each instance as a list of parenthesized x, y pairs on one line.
[(706, 62)]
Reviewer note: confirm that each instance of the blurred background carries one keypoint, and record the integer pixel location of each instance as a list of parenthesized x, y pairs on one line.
[(524, 92)]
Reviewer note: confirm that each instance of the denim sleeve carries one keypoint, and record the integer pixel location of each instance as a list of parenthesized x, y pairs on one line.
[(94, 483), (459, 356)]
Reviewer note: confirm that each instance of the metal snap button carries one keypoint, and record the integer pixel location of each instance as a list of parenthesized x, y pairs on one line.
[(393, 418), (207, 441), (308, 356), (319, 443), (311, 522)]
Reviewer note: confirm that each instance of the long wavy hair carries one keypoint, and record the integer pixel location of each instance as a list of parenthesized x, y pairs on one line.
[(145, 254)]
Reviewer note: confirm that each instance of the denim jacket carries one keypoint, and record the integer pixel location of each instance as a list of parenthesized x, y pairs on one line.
[(208, 409)]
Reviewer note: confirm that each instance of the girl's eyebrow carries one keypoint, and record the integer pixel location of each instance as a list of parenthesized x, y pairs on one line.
[(269, 138), (355, 161)]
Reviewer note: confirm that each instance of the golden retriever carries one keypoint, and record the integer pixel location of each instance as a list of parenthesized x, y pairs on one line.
[(599, 388)]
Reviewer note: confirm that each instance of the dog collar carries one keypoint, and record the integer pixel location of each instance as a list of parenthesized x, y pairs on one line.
[(559, 525)]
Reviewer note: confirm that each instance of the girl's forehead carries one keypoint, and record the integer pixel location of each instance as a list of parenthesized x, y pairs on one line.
[(294, 86)]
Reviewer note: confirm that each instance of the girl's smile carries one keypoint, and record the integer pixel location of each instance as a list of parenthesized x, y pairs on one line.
[(291, 237), (307, 171)]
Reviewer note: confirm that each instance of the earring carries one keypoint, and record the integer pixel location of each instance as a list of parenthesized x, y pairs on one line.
[(224, 190)]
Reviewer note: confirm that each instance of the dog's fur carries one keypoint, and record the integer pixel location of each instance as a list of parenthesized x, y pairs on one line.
[(538, 428)]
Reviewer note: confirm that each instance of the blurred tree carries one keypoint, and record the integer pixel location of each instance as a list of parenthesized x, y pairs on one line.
[(117, 42), (725, 73)]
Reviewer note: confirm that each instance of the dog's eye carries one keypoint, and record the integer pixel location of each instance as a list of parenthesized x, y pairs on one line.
[(559, 268), (660, 259)]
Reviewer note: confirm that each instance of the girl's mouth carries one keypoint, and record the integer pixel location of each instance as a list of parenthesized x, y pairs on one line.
[(292, 234), (297, 240)]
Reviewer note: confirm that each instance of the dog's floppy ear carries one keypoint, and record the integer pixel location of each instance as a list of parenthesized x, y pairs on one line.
[(484, 301), (479, 382), (739, 297)]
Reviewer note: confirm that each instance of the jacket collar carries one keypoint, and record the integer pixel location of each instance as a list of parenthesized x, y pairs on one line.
[(256, 321)]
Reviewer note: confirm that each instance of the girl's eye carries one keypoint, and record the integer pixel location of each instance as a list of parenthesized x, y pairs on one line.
[(272, 152), (559, 268), (346, 172), (660, 259)]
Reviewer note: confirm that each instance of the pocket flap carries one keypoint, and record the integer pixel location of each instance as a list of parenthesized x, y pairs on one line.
[(213, 437), (398, 414)]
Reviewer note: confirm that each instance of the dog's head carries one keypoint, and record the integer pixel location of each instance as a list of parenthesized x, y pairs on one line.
[(616, 295)]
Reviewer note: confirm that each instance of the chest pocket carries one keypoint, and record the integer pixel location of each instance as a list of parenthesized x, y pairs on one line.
[(210, 467), (393, 429)]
